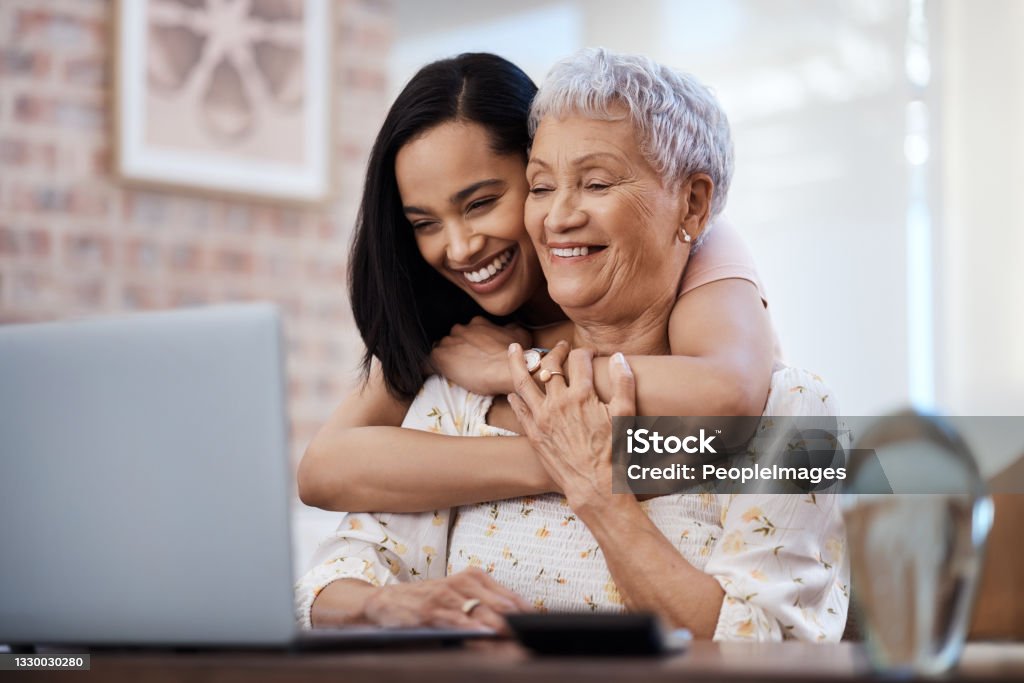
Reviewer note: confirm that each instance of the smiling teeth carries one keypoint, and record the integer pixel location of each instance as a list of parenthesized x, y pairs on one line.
[(574, 251), (491, 269)]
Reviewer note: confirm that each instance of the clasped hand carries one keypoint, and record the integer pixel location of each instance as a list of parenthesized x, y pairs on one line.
[(473, 355), (569, 427)]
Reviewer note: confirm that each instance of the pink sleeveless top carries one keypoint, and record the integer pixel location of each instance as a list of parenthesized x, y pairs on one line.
[(723, 255)]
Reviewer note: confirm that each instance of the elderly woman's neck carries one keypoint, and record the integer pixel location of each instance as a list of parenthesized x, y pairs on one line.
[(643, 335)]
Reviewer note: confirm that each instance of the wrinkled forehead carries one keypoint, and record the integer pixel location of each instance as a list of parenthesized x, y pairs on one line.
[(579, 141), (557, 135), (592, 123), (596, 110)]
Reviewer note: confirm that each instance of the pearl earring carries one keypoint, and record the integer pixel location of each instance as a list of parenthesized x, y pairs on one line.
[(686, 236)]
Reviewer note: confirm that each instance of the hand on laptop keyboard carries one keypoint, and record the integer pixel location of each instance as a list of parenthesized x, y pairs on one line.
[(469, 599)]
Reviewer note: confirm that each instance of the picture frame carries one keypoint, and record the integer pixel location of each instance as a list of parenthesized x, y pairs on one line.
[(227, 97)]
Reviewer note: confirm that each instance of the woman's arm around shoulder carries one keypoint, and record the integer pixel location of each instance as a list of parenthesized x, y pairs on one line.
[(323, 474), (362, 460), (722, 354)]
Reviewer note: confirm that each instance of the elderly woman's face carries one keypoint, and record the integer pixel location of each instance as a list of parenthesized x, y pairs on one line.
[(604, 224)]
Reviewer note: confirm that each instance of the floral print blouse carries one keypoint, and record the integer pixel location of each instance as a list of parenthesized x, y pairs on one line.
[(779, 558)]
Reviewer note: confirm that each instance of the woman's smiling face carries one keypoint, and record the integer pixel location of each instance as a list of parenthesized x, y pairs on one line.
[(465, 205), (604, 223)]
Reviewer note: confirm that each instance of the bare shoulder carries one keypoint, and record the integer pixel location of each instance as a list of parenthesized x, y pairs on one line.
[(718, 314)]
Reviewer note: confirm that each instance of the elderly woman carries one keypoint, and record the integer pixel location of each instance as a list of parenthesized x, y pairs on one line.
[(620, 188)]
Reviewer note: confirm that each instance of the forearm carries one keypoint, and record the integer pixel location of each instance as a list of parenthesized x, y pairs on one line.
[(342, 602), (649, 572), (394, 469), (722, 355), (691, 386)]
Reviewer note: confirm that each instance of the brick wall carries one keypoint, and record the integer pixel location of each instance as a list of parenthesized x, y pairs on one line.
[(75, 243)]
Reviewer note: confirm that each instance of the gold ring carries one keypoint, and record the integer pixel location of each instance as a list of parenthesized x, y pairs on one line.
[(545, 375), (469, 605)]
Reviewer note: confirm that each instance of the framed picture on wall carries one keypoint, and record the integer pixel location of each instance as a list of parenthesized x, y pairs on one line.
[(225, 96)]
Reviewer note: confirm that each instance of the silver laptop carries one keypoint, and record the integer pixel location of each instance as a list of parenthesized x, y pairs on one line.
[(145, 486)]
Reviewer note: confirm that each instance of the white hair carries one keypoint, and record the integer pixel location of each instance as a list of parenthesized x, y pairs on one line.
[(681, 127)]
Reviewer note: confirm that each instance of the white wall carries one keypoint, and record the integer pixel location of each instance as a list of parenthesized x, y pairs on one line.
[(982, 369), (981, 262)]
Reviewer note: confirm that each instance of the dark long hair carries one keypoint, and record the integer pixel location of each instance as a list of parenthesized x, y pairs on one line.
[(401, 305)]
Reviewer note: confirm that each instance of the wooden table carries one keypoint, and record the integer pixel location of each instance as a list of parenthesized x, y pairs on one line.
[(507, 663)]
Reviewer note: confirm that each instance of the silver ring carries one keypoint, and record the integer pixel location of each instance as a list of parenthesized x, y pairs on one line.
[(545, 375), (469, 605)]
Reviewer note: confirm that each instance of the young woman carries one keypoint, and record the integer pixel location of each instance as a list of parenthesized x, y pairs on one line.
[(441, 242)]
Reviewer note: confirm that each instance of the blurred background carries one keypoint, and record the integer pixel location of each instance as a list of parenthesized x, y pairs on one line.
[(880, 167)]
